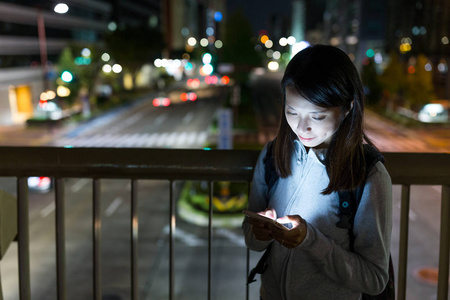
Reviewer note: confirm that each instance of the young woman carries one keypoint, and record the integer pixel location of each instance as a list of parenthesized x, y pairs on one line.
[(318, 152)]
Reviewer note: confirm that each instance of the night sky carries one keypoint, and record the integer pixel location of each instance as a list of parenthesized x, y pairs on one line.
[(259, 11)]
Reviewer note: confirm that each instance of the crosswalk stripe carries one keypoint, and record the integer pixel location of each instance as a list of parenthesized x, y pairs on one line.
[(134, 140)]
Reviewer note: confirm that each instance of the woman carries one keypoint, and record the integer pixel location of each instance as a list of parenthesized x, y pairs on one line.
[(318, 152)]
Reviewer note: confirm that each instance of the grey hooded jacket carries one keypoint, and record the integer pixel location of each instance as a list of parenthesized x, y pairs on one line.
[(322, 266)]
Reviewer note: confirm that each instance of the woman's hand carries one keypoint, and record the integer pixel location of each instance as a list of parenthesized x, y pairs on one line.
[(261, 230), (293, 237)]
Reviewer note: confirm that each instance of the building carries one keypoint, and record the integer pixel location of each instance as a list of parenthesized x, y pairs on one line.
[(32, 36)]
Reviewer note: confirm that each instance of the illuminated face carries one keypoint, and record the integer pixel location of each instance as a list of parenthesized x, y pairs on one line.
[(313, 125)]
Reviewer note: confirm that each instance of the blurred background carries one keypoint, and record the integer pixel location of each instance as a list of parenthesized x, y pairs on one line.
[(202, 74)]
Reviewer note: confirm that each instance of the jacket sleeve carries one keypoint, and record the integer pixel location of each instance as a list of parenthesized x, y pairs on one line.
[(258, 201), (366, 269)]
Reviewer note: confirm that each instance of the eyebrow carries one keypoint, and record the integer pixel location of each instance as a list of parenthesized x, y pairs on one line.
[(311, 112)]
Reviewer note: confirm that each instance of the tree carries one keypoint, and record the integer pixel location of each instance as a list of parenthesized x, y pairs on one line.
[(66, 63), (132, 46), (239, 48), (371, 82), (393, 81), (420, 84)]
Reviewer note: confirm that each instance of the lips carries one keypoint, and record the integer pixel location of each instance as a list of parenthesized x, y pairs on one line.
[(305, 139)]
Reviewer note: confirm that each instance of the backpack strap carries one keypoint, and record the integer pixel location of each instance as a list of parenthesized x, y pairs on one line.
[(349, 200)]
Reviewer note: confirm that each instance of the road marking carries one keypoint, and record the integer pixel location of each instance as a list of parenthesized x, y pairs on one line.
[(188, 238), (160, 119), (77, 186), (412, 215), (188, 118), (113, 207), (237, 239), (136, 140), (48, 209)]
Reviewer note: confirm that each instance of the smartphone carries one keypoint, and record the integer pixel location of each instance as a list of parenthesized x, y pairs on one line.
[(268, 221)]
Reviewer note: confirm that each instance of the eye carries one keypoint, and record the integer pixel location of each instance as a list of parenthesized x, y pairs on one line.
[(320, 118), (291, 113)]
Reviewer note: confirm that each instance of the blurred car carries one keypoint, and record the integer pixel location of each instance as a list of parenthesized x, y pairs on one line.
[(188, 96), (193, 83), (49, 110), (40, 184), (435, 112), (161, 100)]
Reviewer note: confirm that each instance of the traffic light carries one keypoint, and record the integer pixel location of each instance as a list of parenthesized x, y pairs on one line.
[(66, 76)]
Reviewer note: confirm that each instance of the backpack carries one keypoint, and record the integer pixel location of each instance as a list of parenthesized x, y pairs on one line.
[(348, 204)]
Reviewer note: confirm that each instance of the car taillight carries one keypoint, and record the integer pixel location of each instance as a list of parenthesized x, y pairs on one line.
[(156, 102), (166, 102), (184, 97), (192, 96)]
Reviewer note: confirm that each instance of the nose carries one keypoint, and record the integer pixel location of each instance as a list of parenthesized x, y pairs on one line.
[(303, 125)]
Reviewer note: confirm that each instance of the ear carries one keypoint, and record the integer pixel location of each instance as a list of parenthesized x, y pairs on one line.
[(351, 107)]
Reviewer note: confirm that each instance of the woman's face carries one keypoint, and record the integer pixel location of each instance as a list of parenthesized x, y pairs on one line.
[(313, 125)]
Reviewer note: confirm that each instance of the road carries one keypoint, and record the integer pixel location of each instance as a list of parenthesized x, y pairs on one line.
[(182, 126)]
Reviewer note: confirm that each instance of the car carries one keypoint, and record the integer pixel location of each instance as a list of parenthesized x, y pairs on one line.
[(188, 96), (48, 110), (435, 112), (40, 184), (161, 100)]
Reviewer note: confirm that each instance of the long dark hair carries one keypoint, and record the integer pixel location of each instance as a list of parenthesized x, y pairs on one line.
[(325, 76)]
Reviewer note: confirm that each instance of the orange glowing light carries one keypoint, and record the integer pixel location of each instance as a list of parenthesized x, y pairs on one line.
[(411, 70), (225, 80), (184, 97), (264, 39)]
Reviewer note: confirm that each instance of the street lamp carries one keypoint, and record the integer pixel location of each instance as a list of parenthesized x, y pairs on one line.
[(61, 8)]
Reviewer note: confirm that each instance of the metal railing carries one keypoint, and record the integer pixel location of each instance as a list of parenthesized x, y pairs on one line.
[(405, 169)]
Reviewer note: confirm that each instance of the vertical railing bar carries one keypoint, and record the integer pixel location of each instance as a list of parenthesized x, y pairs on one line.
[(171, 242), (97, 225), (23, 238), (210, 216), (134, 241), (444, 248), (403, 251), (247, 269), (60, 239)]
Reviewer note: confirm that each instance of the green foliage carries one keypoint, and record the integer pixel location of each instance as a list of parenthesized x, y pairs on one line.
[(420, 89), (371, 81), (393, 78), (239, 47), (133, 46), (66, 63)]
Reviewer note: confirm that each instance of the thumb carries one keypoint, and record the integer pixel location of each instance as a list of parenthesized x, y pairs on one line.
[(294, 219)]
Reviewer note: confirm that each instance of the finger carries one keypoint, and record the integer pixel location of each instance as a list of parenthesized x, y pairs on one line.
[(270, 213), (294, 219)]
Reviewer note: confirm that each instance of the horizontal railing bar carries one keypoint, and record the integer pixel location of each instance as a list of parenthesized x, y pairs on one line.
[(180, 164)]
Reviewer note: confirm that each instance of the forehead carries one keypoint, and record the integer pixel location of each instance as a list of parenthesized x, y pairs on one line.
[(296, 101)]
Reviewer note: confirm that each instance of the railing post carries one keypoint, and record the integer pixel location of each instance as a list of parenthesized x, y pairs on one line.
[(23, 238), (134, 242), (97, 226), (247, 269), (172, 222), (60, 239), (210, 217), (403, 251), (444, 248)]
